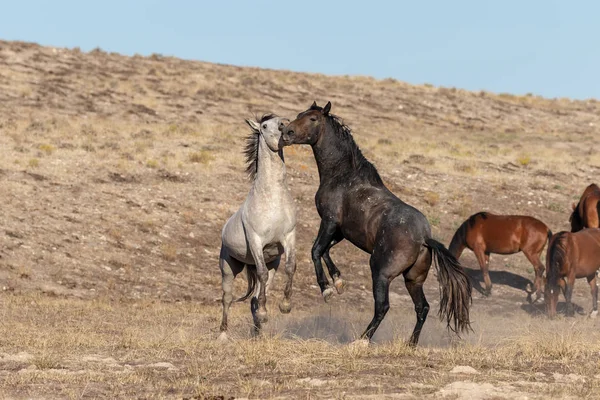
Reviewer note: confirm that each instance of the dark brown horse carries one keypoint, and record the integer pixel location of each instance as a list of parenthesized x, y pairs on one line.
[(354, 204), (586, 213), (484, 233), (571, 256)]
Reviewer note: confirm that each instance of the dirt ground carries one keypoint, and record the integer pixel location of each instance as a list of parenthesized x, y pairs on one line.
[(117, 174)]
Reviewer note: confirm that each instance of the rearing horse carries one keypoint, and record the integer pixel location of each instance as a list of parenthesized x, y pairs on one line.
[(354, 204), (263, 228), (586, 213)]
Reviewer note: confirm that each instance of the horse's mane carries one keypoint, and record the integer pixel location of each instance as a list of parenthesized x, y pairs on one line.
[(460, 237), (556, 256), (362, 166), (251, 149)]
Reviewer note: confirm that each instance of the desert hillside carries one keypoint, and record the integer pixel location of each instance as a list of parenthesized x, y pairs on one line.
[(117, 174)]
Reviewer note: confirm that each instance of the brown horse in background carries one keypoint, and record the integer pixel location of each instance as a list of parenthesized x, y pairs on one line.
[(485, 233), (586, 213), (571, 256)]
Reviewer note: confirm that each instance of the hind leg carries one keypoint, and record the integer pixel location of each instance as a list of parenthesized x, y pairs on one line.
[(483, 260), (538, 284), (230, 267), (594, 289), (413, 280), (381, 295), (384, 268), (570, 283)]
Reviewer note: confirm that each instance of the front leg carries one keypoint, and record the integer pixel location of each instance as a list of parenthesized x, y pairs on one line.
[(326, 233), (290, 269), (256, 248), (334, 272)]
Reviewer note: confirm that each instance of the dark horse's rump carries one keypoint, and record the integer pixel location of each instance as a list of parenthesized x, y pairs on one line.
[(354, 204)]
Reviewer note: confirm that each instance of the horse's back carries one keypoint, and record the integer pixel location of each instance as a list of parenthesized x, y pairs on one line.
[(507, 234), (583, 248), (372, 214)]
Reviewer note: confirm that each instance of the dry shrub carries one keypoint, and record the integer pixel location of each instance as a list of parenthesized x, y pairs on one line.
[(431, 198)]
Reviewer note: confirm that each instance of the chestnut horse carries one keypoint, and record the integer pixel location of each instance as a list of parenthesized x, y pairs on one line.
[(586, 213), (571, 256), (485, 233), (354, 204)]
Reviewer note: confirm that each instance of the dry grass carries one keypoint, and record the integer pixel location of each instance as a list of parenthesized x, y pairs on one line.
[(106, 348)]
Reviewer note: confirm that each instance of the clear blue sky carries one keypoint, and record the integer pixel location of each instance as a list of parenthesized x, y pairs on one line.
[(546, 47)]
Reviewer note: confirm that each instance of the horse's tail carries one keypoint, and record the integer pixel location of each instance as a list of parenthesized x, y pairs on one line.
[(455, 288), (555, 259), (252, 278), (459, 240)]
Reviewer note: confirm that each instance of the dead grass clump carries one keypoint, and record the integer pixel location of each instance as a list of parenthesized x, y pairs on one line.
[(47, 148), (524, 159), (201, 157), (33, 163), (431, 198), (169, 251), (466, 167), (46, 361)]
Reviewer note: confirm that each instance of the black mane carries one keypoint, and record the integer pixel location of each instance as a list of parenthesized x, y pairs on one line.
[(362, 166), (251, 149)]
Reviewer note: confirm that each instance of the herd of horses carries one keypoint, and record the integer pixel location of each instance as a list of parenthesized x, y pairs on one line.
[(355, 205)]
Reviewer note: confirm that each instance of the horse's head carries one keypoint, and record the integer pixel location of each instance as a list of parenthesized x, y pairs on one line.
[(575, 219), (270, 127), (307, 126)]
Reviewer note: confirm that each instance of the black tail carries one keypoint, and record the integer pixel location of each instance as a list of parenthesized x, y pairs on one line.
[(555, 260), (455, 288), (252, 278)]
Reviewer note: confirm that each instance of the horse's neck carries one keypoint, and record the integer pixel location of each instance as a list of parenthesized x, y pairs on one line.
[(270, 173), (331, 158)]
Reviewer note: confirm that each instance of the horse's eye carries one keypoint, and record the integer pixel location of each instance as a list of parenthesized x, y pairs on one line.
[(264, 126), (313, 118)]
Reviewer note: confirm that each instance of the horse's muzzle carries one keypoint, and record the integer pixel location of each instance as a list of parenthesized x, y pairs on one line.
[(286, 136)]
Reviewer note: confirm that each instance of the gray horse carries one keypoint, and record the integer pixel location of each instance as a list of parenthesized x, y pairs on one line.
[(263, 228)]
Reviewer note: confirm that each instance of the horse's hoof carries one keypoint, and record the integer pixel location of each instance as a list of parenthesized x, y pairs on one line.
[(327, 293), (261, 315), (487, 293), (340, 285), (594, 314), (223, 337), (360, 344), (285, 307)]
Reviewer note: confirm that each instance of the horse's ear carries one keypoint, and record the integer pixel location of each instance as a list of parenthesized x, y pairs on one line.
[(574, 206), (314, 105), (253, 124), (327, 108)]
